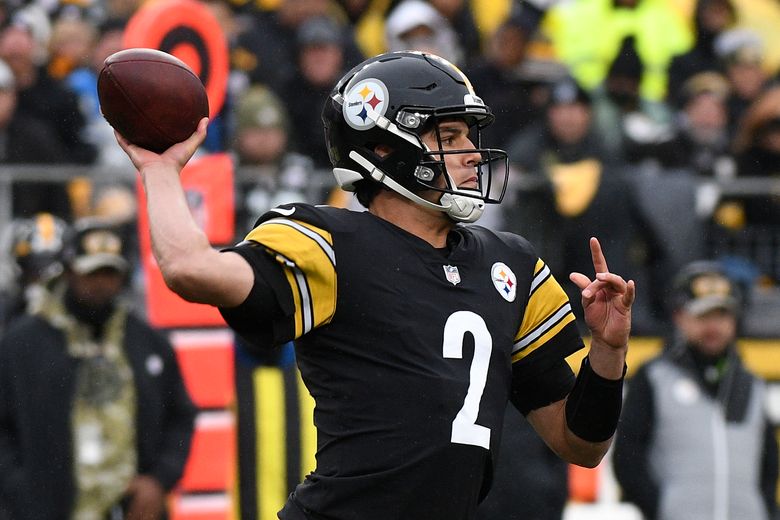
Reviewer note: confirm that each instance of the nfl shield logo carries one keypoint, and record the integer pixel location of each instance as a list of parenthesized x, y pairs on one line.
[(453, 276)]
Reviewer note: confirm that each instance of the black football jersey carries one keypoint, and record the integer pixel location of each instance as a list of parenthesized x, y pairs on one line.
[(409, 351)]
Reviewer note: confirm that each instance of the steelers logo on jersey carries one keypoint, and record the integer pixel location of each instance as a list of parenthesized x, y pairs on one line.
[(504, 280), (364, 103)]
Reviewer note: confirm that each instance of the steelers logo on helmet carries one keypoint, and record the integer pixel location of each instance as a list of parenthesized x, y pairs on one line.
[(364, 102)]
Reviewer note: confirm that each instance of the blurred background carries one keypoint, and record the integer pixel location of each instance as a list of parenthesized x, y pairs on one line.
[(651, 124)]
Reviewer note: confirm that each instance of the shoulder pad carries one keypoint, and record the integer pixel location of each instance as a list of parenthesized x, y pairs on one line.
[(295, 211), (327, 218)]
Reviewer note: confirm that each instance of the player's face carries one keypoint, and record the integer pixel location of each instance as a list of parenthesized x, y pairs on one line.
[(711, 332), (462, 167)]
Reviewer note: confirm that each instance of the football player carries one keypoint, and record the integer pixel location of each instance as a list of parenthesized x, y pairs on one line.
[(412, 329)]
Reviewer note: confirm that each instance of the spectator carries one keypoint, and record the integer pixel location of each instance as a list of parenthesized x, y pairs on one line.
[(587, 36), (36, 19), (25, 139), (565, 131), (321, 61), (43, 97), (34, 248), (757, 144), (461, 16), (232, 24), (570, 188), (742, 53), (355, 9), (417, 25), (631, 125), (83, 81), (265, 50), (95, 421), (499, 77), (747, 225), (701, 143), (710, 19), (474, 21), (261, 128), (763, 19), (269, 174), (113, 9), (694, 441), (70, 46), (367, 17)]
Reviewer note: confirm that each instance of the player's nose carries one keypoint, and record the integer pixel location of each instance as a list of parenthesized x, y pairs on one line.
[(471, 158)]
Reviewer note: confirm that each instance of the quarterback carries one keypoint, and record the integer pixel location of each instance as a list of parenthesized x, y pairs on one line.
[(413, 327)]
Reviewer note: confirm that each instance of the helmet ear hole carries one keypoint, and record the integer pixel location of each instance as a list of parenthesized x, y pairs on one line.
[(381, 150)]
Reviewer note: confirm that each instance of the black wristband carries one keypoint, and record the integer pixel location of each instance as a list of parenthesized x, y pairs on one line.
[(594, 404)]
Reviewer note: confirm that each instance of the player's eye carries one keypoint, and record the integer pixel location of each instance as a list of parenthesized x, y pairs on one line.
[(448, 140)]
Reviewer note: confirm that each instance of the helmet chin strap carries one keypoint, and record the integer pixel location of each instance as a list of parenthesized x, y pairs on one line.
[(459, 208), (463, 208)]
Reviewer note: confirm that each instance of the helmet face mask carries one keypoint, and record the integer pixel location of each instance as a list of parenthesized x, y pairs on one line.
[(491, 166), (392, 101)]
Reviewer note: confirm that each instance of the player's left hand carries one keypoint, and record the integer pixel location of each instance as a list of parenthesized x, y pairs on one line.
[(606, 301)]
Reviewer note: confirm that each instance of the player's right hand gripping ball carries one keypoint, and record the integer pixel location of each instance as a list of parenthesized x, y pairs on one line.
[(151, 97)]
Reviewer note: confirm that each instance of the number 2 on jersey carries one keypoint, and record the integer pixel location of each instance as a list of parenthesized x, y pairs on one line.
[(465, 429)]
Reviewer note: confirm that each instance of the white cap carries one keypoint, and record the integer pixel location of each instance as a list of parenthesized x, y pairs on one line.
[(740, 45), (411, 14)]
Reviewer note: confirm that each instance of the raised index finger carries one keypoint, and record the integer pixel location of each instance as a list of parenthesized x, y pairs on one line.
[(599, 261)]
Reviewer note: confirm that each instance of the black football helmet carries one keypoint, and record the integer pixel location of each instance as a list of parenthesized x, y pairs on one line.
[(35, 246), (393, 99)]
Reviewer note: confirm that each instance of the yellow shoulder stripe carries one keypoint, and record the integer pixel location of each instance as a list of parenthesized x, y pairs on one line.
[(547, 312), (277, 233), (307, 256)]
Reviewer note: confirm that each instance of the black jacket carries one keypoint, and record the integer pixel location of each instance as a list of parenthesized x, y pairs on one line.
[(36, 387)]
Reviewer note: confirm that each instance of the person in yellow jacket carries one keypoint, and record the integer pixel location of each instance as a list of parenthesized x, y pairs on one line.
[(659, 29)]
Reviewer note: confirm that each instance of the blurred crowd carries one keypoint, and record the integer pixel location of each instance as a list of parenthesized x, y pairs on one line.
[(652, 124)]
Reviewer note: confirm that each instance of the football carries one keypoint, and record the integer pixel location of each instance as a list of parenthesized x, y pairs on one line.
[(151, 98)]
